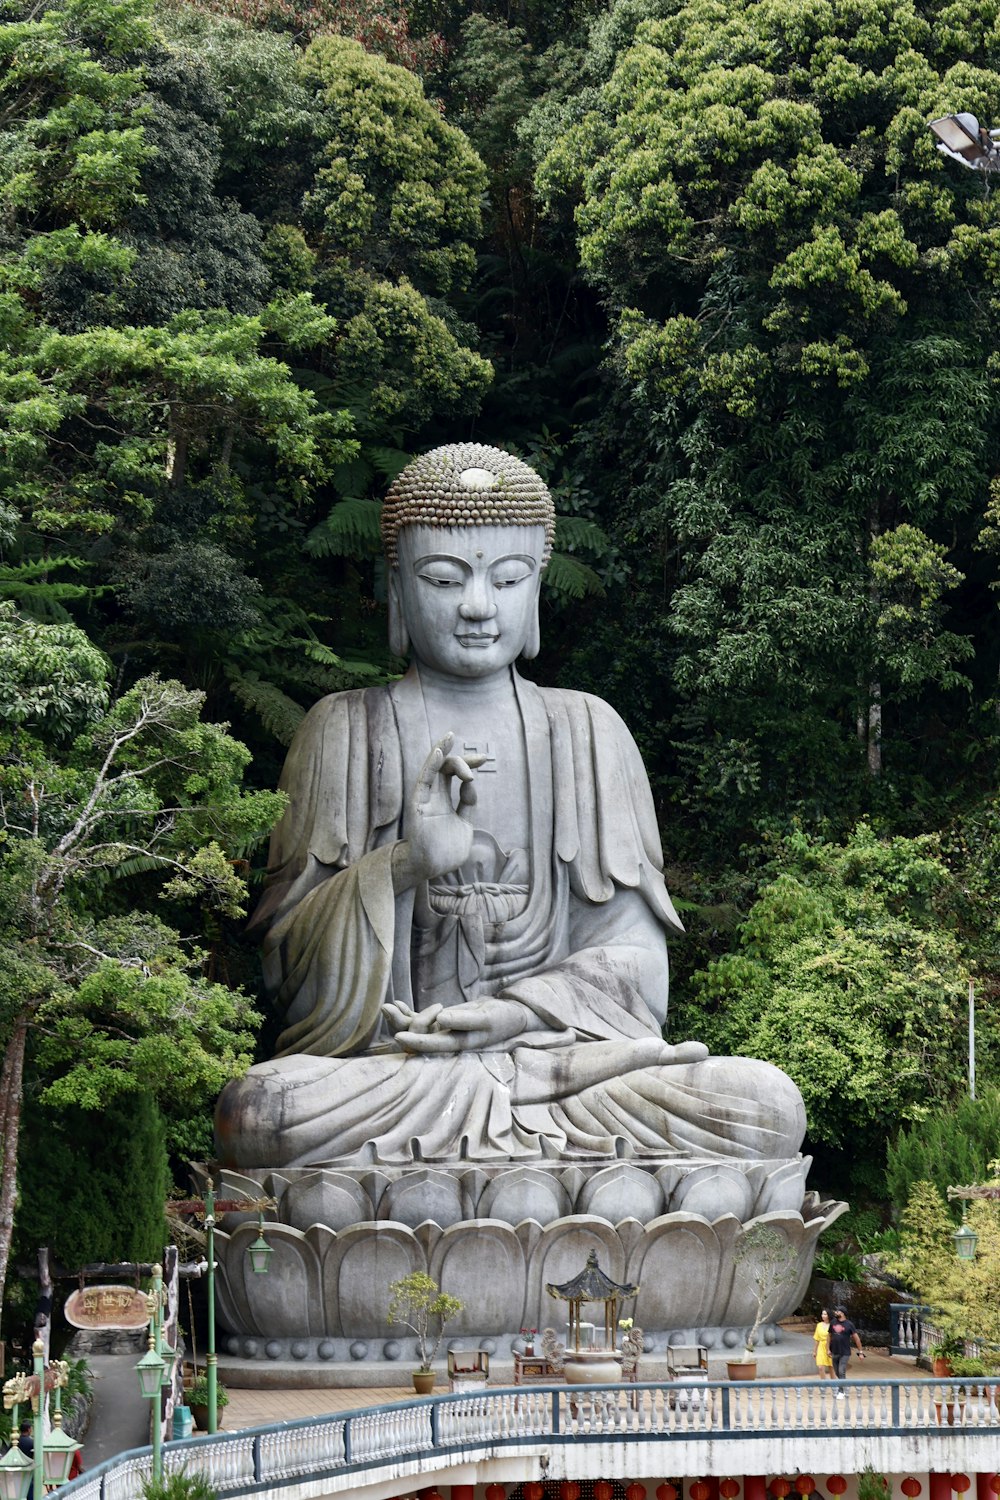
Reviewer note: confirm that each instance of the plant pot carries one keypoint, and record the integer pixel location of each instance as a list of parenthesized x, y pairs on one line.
[(742, 1369), (200, 1414), (941, 1367), (423, 1382)]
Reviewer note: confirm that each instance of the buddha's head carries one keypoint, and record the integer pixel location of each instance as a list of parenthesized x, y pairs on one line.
[(467, 532)]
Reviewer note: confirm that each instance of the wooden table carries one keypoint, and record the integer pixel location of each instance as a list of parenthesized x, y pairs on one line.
[(532, 1368)]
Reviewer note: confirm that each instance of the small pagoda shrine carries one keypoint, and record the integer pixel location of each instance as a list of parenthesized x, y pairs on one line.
[(592, 1285)]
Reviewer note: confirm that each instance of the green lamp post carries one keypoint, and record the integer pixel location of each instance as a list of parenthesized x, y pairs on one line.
[(16, 1468), (52, 1458), (260, 1253), (152, 1368)]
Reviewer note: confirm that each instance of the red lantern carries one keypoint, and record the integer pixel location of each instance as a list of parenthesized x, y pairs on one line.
[(729, 1489), (910, 1488), (666, 1491), (805, 1484), (699, 1490), (994, 1483), (495, 1492), (836, 1484), (604, 1490), (960, 1482), (534, 1490), (780, 1488), (635, 1491), (569, 1490)]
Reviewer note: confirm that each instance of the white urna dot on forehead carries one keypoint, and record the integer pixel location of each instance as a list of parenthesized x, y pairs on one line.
[(478, 479)]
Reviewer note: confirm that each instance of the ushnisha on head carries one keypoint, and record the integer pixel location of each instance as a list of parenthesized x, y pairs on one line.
[(467, 531), (466, 484)]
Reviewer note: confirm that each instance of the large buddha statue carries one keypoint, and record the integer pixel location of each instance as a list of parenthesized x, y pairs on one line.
[(465, 923)]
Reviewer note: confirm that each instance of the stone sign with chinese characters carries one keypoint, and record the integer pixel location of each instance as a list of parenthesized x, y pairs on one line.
[(107, 1307)]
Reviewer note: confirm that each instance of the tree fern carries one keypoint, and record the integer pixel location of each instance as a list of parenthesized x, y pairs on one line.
[(279, 713), (569, 578), (352, 527), (574, 531)]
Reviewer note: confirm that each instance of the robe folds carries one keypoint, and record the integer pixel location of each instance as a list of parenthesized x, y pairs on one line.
[(572, 928)]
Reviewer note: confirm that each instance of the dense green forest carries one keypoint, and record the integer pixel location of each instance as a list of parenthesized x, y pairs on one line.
[(701, 264)]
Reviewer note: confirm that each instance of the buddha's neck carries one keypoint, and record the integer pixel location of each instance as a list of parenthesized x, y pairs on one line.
[(473, 693)]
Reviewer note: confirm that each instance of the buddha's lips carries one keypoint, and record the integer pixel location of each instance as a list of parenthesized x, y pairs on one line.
[(471, 640)]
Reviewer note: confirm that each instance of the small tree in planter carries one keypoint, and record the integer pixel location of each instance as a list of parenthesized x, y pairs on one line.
[(416, 1301), (766, 1263)]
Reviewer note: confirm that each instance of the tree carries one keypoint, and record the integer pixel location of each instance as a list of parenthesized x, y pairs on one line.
[(947, 1147), (416, 1301), (391, 215), (135, 799), (850, 977), (766, 1264), (785, 262), (92, 1182)]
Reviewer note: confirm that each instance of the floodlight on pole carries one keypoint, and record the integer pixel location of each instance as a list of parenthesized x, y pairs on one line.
[(963, 139)]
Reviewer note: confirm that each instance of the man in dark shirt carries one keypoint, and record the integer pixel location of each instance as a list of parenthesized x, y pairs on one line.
[(842, 1335), (26, 1443)]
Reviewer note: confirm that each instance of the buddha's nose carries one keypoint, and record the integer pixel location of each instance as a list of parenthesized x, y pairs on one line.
[(478, 603)]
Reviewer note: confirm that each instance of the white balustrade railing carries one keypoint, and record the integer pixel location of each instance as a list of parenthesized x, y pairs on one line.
[(236, 1463)]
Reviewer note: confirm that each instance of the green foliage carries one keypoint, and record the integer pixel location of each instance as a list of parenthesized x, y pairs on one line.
[(872, 1485), (949, 1146), (838, 1265), (198, 1393), (93, 1182), (74, 145), (50, 675), (849, 976), (926, 1261), (798, 351), (137, 805), (181, 1486), (392, 211)]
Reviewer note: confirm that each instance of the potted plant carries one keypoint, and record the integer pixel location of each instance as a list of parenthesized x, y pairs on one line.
[(971, 1371), (197, 1399), (942, 1354), (766, 1263), (416, 1300), (528, 1334)]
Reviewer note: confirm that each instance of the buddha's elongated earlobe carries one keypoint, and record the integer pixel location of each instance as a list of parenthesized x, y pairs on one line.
[(399, 640), (533, 640)]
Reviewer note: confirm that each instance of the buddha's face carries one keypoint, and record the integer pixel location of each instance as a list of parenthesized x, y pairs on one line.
[(468, 594)]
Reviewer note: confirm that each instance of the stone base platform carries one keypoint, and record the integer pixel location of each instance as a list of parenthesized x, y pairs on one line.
[(497, 1238), (793, 1356)]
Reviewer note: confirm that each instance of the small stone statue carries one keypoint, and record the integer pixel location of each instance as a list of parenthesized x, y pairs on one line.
[(465, 919)]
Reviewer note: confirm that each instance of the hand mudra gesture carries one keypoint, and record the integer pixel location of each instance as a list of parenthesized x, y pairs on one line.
[(437, 836)]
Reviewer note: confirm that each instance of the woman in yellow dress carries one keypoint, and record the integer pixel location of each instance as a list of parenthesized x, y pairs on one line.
[(824, 1364)]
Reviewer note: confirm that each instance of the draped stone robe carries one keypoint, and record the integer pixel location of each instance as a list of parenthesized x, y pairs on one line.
[(573, 928)]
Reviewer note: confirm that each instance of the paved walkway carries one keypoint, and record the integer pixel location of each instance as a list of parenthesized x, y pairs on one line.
[(121, 1417)]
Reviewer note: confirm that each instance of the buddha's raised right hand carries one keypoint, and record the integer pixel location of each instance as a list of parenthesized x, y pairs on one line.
[(437, 837)]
